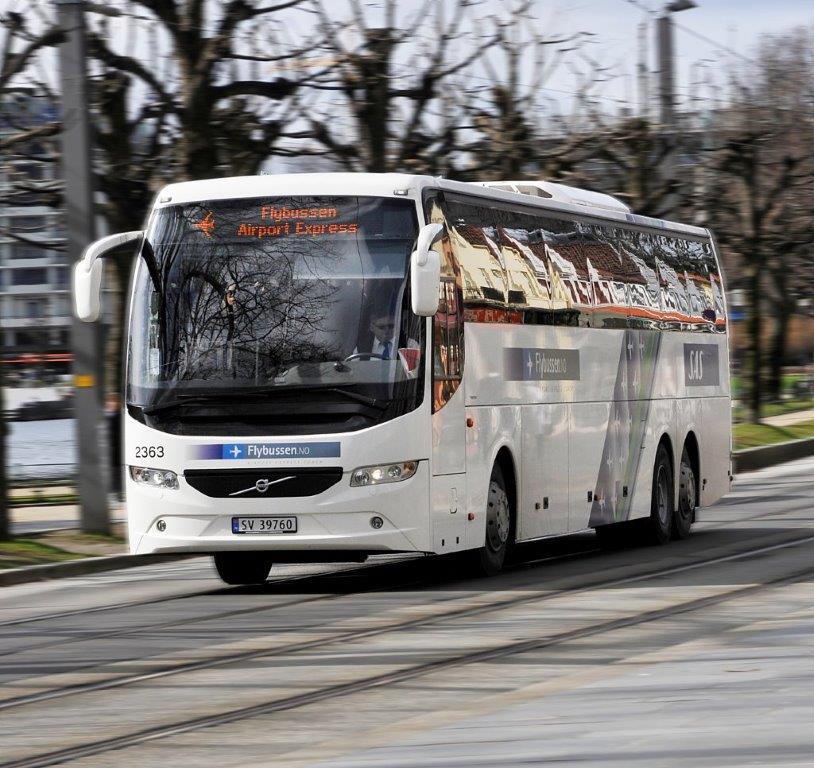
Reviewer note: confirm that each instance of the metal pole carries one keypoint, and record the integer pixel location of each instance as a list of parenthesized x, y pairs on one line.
[(664, 47), (643, 69), (664, 41), (86, 338)]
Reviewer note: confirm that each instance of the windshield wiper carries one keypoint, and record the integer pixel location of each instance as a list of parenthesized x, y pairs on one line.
[(299, 389), (218, 398), (182, 399)]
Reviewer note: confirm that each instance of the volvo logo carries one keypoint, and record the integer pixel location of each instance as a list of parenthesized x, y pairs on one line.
[(261, 486)]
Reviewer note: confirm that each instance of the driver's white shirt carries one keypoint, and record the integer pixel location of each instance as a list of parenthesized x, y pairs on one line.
[(380, 347)]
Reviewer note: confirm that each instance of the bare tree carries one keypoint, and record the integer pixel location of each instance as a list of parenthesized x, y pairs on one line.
[(763, 178), (518, 132), (387, 82), (19, 46)]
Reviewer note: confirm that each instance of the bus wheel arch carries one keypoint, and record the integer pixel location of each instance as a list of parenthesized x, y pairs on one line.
[(505, 460), (501, 515), (693, 452)]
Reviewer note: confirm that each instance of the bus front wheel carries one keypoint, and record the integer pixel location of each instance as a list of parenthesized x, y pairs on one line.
[(490, 557), (242, 568)]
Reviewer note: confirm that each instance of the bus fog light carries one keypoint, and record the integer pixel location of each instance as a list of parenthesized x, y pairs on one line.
[(376, 522), (161, 525), (383, 473), (155, 478)]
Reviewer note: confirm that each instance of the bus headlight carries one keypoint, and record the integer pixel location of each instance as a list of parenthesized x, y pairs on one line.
[(383, 473), (155, 478)]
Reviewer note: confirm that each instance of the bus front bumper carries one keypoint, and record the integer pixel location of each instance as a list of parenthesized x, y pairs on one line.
[(341, 519)]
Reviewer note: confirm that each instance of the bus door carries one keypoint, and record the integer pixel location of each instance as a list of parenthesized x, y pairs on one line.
[(448, 463)]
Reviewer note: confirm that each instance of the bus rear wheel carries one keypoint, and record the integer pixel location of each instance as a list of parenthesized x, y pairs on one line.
[(242, 568), (687, 494), (490, 557), (659, 526)]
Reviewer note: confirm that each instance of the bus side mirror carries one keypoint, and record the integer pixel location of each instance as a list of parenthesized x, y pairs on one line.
[(425, 271), (87, 275)]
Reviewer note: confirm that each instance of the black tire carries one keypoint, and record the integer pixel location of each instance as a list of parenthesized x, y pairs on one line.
[(687, 494), (489, 559), (242, 568), (658, 528)]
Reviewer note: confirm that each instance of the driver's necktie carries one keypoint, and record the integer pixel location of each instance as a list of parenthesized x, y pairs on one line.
[(386, 349)]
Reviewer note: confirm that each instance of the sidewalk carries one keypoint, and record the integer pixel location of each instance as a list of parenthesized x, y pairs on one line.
[(26, 520), (788, 419)]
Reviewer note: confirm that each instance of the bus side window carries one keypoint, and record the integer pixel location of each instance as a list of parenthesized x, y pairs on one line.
[(447, 343), (644, 292), (477, 256), (675, 302), (703, 285), (716, 288), (447, 324)]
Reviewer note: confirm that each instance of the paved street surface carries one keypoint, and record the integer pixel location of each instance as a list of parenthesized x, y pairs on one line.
[(696, 654)]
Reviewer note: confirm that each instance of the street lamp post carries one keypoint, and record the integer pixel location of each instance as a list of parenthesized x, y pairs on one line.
[(667, 116), (666, 54), (92, 470)]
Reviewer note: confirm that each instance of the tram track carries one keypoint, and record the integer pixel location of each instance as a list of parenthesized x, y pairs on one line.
[(312, 578), (431, 617), (274, 582), (493, 652), (125, 605)]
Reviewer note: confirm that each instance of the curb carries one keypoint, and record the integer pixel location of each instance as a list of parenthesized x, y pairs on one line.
[(750, 459), (83, 567)]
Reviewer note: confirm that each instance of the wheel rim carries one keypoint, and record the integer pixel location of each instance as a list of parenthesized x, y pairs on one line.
[(497, 518), (687, 488), (662, 497)]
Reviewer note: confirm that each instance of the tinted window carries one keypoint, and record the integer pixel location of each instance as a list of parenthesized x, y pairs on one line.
[(448, 323), (474, 242), (28, 276), (549, 270)]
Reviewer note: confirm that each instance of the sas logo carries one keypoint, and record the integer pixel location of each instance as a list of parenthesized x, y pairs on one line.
[(701, 365)]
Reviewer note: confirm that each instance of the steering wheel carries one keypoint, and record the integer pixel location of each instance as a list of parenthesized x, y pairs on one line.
[(363, 356)]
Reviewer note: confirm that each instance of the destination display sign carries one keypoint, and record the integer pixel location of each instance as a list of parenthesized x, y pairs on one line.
[(272, 221)]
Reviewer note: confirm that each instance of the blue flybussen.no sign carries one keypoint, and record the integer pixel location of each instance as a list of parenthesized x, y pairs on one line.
[(248, 451)]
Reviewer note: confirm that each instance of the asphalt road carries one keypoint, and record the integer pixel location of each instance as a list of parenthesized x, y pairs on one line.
[(696, 654)]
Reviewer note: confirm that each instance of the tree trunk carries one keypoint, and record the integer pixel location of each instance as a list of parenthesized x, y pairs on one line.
[(756, 357), (777, 354)]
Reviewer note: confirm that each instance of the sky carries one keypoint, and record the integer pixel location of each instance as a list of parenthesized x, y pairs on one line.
[(732, 29), (736, 25)]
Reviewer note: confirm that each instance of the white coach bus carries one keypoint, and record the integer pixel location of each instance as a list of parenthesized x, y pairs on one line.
[(328, 366)]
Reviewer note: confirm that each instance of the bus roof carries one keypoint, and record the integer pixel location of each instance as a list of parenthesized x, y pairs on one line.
[(404, 185)]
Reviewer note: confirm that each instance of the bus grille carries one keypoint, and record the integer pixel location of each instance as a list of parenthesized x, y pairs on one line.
[(263, 483)]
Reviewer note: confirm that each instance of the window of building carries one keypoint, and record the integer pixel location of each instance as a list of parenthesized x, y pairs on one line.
[(23, 224), (29, 276), (27, 251)]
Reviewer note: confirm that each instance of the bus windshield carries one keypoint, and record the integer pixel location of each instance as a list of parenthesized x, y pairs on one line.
[(260, 295)]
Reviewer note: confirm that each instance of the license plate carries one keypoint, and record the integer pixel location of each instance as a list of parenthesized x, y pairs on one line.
[(264, 525)]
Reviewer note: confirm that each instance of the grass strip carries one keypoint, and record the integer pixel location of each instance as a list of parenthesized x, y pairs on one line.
[(19, 552), (754, 435)]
